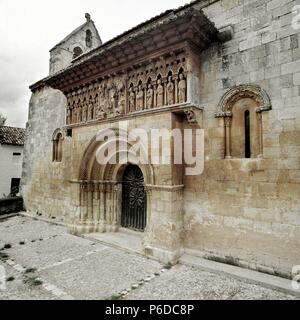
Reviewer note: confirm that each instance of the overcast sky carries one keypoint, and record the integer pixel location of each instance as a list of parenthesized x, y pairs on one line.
[(29, 29)]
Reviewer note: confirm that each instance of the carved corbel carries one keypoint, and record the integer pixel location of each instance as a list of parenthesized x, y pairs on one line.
[(194, 116), (191, 116)]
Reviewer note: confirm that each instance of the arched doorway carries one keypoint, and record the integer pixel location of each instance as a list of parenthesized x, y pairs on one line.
[(134, 200)]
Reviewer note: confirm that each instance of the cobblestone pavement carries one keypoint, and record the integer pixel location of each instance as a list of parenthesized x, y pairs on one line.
[(42, 261)]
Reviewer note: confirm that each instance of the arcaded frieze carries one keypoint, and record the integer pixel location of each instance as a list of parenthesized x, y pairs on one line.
[(156, 84)]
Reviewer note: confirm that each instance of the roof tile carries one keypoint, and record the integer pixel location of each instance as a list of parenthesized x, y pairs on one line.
[(12, 136)]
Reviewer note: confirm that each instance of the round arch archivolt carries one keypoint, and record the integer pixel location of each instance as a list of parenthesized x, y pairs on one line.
[(91, 170), (101, 183), (254, 92)]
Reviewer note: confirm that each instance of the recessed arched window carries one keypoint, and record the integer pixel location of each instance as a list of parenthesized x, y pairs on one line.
[(245, 132), (57, 146), (77, 52), (247, 135), (89, 38), (242, 108)]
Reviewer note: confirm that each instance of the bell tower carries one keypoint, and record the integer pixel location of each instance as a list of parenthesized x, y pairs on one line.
[(78, 42)]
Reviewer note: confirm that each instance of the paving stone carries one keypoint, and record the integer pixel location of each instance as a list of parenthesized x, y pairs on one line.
[(183, 282), (17, 290), (75, 268)]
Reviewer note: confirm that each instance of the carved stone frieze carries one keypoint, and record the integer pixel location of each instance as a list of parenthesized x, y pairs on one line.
[(150, 86)]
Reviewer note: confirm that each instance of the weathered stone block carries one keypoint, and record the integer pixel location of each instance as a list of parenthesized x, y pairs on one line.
[(251, 42), (291, 67), (296, 79)]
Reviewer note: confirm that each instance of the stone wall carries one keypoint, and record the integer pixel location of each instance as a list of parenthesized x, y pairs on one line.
[(247, 211), (242, 211), (43, 183)]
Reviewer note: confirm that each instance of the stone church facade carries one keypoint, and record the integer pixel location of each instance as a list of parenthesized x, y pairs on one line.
[(228, 67)]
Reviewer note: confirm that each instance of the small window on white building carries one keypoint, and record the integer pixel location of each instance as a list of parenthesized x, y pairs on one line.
[(17, 157)]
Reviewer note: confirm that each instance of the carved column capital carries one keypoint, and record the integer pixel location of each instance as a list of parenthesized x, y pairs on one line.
[(148, 190), (84, 186), (226, 114), (91, 187), (261, 109), (117, 187), (227, 121), (101, 187)]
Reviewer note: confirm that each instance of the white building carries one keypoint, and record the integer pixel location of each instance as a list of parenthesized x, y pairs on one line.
[(11, 156)]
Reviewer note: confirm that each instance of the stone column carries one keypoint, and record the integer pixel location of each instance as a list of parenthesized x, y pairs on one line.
[(145, 98), (260, 134), (83, 202), (176, 91), (113, 209), (165, 92), (148, 191), (90, 202), (96, 207), (108, 202), (102, 208), (155, 96), (227, 125), (116, 211), (119, 203)]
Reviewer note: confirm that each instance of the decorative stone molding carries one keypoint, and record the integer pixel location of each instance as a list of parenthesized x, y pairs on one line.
[(176, 109), (240, 92), (225, 111), (58, 134), (156, 84), (164, 188), (223, 114), (171, 31)]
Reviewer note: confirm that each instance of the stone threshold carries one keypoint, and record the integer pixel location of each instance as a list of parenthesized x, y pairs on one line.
[(126, 240), (131, 242)]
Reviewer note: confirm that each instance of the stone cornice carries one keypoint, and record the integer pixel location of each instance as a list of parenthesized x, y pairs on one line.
[(172, 32)]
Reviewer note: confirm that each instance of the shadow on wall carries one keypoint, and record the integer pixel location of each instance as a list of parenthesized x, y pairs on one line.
[(11, 205)]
